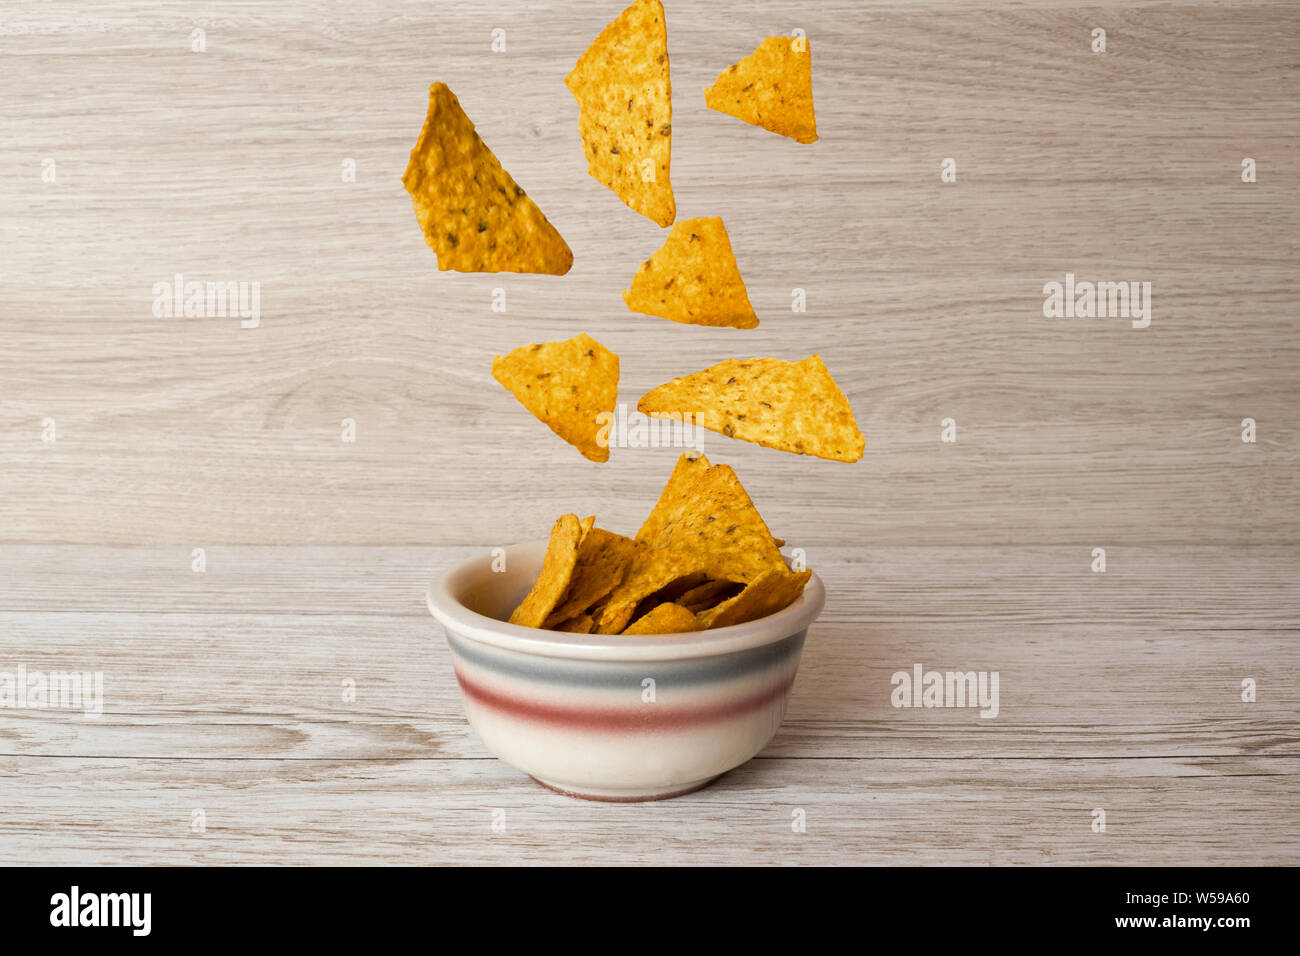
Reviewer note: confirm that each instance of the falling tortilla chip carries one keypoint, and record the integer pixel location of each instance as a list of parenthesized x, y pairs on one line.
[(792, 406), (603, 559), (650, 571), (667, 618), (693, 278), (771, 88), (474, 215), (557, 569), (625, 110), (770, 592), (709, 516), (568, 385)]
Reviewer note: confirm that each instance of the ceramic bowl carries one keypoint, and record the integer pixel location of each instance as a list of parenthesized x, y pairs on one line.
[(611, 717)]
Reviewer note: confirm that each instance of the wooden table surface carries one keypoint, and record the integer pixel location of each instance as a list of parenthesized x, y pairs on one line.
[(229, 732), (224, 693)]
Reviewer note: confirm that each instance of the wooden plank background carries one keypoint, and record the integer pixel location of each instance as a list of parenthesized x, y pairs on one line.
[(924, 298), (1119, 690)]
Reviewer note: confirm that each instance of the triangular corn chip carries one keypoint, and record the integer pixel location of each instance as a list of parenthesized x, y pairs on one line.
[(792, 406), (557, 569), (771, 88), (675, 496), (667, 618), (582, 624), (693, 278), (565, 384), (625, 110), (603, 559), (474, 216), (708, 594), (770, 592), (712, 519), (650, 571)]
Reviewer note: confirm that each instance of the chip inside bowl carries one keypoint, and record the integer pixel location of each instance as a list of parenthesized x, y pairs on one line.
[(704, 558), (557, 570), (667, 618)]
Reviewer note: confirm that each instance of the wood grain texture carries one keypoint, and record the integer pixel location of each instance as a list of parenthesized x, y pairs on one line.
[(924, 298), (223, 689), (223, 693), (903, 812)]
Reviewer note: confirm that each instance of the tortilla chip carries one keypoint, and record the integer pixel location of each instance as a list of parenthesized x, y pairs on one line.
[(707, 514), (582, 624), (771, 88), (624, 98), (567, 385), (603, 559), (673, 498), (779, 542), (650, 571), (557, 569), (693, 278), (474, 216), (667, 618), (707, 595), (770, 592), (670, 593), (792, 406)]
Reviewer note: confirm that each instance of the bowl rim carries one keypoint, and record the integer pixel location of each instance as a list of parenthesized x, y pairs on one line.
[(463, 622)]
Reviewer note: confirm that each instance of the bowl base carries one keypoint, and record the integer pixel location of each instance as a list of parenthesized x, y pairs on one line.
[(626, 796)]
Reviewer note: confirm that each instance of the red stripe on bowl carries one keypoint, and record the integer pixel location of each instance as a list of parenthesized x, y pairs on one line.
[(646, 717)]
